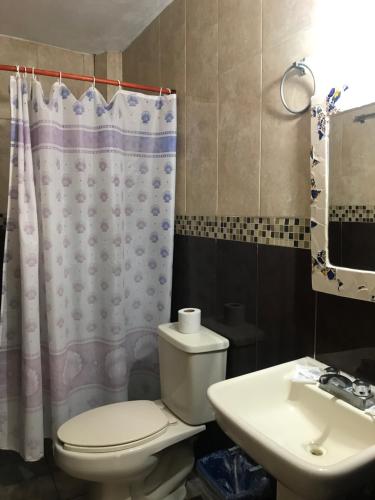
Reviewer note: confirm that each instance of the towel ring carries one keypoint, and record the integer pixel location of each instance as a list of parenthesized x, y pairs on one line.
[(301, 67)]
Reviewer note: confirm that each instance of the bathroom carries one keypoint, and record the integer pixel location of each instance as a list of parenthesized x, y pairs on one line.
[(241, 182)]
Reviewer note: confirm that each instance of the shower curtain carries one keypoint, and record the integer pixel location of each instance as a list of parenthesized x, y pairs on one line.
[(88, 255)]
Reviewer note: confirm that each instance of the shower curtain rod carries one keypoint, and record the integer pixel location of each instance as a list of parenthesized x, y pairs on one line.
[(85, 78)]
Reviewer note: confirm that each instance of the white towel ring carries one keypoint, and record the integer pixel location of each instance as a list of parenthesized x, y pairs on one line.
[(301, 67)]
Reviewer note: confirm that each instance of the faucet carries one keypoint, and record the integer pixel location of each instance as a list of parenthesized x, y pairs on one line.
[(356, 392)]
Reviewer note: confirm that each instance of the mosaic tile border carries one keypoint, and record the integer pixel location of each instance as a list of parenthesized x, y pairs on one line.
[(352, 213), (279, 231)]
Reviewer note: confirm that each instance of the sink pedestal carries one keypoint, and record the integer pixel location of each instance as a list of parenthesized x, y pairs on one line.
[(284, 493)]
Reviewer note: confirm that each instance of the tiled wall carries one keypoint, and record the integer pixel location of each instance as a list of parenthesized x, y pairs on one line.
[(15, 51), (108, 65), (239, 152), (274, 285), (244, 161)]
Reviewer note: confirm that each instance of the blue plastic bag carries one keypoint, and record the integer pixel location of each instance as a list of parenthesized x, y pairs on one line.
[(233, 476)]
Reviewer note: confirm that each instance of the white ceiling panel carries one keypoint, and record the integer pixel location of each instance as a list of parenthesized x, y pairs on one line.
[(92, 26)]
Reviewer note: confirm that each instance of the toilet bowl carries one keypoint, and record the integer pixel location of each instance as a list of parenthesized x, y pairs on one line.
[(143, 449), (118, 445)]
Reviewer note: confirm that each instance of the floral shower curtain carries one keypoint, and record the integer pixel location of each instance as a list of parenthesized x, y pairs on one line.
[(88, 256)]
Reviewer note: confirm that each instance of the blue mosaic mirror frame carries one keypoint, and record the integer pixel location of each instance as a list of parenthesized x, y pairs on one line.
[(326, 277)]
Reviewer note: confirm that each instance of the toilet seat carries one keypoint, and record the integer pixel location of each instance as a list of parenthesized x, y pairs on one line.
[(114, 427)]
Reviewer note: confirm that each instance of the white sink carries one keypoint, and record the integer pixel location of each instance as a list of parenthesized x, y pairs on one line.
[(314, 444)]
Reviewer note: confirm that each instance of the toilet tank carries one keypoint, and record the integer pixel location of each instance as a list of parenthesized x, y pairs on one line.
[(189, 364)]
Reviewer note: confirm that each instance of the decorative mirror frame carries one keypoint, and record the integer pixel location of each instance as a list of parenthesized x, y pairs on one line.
[(326, 277)]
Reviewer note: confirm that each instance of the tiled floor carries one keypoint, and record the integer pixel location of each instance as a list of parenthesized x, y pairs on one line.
[(40, 480), (43, 480)]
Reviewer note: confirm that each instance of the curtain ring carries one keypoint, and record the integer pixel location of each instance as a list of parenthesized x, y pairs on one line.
[(33, 73), (93, 81), (119, 84), (169, 91), (18, 70), (24, 71), (60, 81), (161, 88)]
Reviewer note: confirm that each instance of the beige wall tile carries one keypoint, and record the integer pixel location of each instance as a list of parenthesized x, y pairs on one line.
[(141, 61), (281, 19), (172, 46), (172, 66), (240, 31), (201, 129), (13, 51), (285, 174), (181, 156), (201, 49), (256, 162), (239, 138), (201, 186), (180, 206), (88, 64), (100, 68), (201, 159), (114, 71), (114, 65), (108, 65), (61, 60)]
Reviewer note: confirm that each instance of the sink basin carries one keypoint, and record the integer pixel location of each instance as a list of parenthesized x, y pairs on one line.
[(315, 445)]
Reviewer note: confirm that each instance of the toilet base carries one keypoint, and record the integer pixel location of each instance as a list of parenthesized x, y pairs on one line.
[(179, 494), (165, 481)]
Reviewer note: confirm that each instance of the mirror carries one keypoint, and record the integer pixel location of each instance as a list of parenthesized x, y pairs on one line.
[(342, 160), (351, 188)]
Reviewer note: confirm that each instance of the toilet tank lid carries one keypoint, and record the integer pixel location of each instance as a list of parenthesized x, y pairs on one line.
[(204, 341)]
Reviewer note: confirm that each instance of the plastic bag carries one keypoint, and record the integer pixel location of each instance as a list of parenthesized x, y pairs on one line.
[(232, 475)]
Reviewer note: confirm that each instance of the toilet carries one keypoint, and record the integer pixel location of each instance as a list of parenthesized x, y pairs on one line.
[(143, 449)]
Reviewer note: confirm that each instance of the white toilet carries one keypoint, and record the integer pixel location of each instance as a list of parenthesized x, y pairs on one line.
[(142, 449)]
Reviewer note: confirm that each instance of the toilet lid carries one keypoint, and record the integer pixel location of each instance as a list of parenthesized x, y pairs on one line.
[(114, 424)]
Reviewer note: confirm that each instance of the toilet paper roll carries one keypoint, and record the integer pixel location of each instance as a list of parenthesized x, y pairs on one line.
[(189, 320), (234, 313)]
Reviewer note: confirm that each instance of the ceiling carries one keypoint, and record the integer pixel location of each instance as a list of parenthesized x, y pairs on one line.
[(92, 26)]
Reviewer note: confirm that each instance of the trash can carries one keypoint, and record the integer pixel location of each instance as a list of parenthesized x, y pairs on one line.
[(232, 475)]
